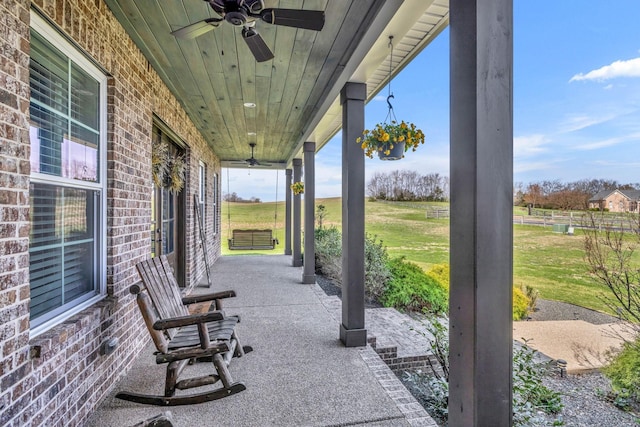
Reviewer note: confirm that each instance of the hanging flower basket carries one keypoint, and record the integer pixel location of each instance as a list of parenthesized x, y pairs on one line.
[(391, 140), (297, 187)]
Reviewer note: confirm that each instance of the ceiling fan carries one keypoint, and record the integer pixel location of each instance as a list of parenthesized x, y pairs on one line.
[(245, 13), (252, 161)]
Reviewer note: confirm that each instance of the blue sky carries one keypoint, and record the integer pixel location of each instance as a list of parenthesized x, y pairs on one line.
[(576, 101)]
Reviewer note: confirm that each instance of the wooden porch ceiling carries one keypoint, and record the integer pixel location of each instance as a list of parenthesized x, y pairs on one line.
[(295, 94)]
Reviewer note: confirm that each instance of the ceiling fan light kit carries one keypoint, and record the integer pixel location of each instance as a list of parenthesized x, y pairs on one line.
[(245, 13)]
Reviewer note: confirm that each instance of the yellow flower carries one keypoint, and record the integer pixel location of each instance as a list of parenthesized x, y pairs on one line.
[(384, 137)]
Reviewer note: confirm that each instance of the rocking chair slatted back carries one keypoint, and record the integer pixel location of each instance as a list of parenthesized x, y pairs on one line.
[(163, 289)]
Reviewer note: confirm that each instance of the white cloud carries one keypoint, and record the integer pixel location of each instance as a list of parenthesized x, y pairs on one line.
[(628, 68), (617, 164), (575, 123), (609, 142), (379, 98), (531, 145), (521, 167), (249, 183)]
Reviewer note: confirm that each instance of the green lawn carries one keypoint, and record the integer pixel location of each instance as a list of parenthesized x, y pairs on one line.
[(552, 263)]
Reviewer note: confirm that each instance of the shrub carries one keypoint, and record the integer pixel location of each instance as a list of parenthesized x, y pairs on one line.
[(412, 289), (329, 261), (376, 269), (329, 253), (441, 273), (624, 373), (530, 395), (520, 304), (531, 294)]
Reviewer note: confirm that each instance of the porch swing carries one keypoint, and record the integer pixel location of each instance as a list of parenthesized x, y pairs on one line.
[(252, 239)]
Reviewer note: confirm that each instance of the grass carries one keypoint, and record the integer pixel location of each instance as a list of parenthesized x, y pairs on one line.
[(550, 262)]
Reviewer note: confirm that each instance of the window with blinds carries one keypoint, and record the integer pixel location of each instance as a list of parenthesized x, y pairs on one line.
[(65, 191)]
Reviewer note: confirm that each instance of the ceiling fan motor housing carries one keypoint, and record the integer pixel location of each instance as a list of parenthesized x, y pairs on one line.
[(236, 18), (236, 11)]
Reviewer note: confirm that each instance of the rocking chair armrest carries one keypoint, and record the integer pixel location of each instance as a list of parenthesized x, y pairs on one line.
[(192, 319), (208, 297)]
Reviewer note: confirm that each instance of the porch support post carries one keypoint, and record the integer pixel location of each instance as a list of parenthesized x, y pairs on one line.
[(309, 272), (297, 231), (481, 256), (352, 331), (287, 213)]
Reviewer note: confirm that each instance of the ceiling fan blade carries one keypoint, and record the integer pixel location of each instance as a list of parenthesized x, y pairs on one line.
[(307, 19), (196, 29), (257, 45)]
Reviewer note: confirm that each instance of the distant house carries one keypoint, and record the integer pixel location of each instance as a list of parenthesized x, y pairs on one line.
[(616, 200)]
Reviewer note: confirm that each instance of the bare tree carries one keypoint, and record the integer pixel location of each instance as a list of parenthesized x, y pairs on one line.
[(408, 185), (533, 195), (610, 258)]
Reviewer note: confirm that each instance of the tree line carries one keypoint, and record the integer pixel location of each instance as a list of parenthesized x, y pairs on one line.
[(233, 197), (554, 194), (404, 185)]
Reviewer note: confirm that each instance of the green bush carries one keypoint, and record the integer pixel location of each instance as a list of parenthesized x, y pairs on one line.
[(376, 269), (329, 253), (441, 273), (329, 261), (521, 304), (530, 396), (624, 373), (410, 288)]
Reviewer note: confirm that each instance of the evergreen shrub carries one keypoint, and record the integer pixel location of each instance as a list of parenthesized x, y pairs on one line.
[(410, 288), (624, 373)]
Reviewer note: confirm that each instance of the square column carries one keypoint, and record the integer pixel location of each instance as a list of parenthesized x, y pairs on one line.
[(352, 331), (297, 230), (309, 271), (287, 213), (481, 257)]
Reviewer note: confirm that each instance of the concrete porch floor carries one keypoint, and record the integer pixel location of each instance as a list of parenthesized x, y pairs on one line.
[(299, 374)]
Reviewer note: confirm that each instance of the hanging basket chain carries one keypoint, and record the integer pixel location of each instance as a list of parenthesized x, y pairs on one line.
[(390, 139), (391, 115)]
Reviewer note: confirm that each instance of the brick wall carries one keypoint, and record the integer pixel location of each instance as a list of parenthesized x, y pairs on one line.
[(16, 377), (389, 355), (617, 202), (58, 377)]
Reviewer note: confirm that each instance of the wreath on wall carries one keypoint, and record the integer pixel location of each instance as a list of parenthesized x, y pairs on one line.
[(168, 169)]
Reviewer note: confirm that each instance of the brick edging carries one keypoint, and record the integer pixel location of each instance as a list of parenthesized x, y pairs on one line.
[(413, 411)]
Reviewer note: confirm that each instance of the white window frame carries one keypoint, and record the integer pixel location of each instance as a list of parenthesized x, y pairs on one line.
[(202, 190), (53, 36), (214, 204)]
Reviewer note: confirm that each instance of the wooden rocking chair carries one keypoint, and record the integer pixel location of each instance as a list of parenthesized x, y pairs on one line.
[(181, 338)]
